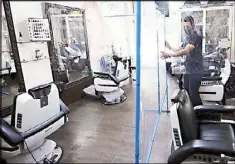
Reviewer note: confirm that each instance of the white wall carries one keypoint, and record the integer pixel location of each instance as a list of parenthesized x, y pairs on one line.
[(173, 24), (35, 72)]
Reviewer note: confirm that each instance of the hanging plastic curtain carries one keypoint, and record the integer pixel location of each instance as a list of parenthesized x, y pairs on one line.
[(149, 78), (162, 62), (153, 82)]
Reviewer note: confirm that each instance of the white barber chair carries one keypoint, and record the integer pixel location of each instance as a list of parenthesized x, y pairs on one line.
[(36, 114)]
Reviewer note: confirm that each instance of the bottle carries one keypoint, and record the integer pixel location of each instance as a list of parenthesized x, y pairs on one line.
[(120, 52), (20, 37), (87, 72)]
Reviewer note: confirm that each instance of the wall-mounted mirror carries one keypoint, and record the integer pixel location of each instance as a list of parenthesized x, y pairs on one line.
[(9, 83), (217, 27), (69, 46)]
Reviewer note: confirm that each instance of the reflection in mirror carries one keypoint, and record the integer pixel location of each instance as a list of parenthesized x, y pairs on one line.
[(69, 42), (9, 83), (217, 27)]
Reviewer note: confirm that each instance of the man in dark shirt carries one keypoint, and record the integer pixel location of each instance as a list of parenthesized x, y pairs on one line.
[(192, 49)]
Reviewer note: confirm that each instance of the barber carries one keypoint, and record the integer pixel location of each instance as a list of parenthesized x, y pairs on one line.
[(192, 50)]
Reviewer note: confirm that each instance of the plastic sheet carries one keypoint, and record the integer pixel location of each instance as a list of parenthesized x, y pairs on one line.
[(148, 78), (162, 62), (153, 76)]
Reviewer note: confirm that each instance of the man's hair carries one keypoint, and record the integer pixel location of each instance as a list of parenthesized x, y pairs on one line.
[(189, 19)]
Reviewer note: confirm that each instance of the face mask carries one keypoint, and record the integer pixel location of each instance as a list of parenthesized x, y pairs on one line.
[(188, 31)]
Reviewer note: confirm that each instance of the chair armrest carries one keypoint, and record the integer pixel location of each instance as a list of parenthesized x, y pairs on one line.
[(202, 147), (211, 70), (215, 108), (108, 75), (211, 78), (10, 134), (177, 96), (217, 122), (63, 107)]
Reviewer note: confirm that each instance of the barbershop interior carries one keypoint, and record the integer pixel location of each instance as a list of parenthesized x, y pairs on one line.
[(117, 82)]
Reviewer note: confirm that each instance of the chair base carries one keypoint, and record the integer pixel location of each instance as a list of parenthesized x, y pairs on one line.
[(107, 98), (45, 153), (207, 158), (119, 100)]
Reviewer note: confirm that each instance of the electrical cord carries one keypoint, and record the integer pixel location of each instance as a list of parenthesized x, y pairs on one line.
[(30, 152)]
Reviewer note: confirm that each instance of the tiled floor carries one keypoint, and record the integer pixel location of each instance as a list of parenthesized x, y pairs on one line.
[(106, 134)]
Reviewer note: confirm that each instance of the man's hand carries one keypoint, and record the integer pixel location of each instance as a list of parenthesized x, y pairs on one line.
[(165, 55)]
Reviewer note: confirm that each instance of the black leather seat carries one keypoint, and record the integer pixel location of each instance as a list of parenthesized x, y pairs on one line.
[(202, 135), (218, 132)]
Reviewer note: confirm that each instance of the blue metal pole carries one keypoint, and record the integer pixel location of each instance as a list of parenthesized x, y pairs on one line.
[(137, 101)]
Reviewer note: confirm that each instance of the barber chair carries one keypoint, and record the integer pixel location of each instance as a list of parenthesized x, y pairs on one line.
[(230, 85), (36, 114), (107, 86), (217, 69), (212, 88), (200, 135)]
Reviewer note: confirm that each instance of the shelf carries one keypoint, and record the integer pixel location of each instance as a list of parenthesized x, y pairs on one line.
[(29, 61), (35, 42), (7, 51)]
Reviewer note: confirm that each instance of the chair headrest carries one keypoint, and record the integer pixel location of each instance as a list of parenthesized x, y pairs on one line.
[(178, 96)]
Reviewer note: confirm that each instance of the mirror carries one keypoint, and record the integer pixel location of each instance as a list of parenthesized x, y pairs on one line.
[(69, 41), (217, 27)]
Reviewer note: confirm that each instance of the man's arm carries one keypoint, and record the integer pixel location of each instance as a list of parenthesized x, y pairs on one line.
[(176, 49), (192, 43), (183, 51), (172, 48)]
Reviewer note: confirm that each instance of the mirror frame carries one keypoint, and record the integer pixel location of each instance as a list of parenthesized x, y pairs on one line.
[(51, 47)]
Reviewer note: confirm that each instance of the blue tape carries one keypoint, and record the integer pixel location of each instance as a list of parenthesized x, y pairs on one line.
[(152, 140), (137, 101)]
